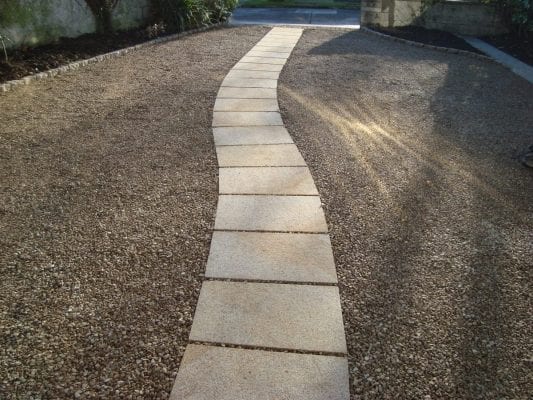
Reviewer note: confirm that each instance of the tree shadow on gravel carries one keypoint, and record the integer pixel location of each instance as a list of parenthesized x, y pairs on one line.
[(428, 208)]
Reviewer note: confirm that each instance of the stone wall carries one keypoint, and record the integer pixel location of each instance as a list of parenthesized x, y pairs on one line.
[(34, 22), (461, 17)]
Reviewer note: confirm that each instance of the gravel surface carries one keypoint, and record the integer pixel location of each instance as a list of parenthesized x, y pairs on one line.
[(109, 189), (416, 156)]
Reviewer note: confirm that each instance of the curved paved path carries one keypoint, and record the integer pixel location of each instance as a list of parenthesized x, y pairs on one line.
[(268, 323)]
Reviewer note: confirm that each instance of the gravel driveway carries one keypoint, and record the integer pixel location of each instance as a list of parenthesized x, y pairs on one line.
[(415, 154), (108, 193)]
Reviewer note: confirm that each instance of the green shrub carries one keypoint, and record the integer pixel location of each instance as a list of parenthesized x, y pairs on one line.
[(178, 15), (517, 15)]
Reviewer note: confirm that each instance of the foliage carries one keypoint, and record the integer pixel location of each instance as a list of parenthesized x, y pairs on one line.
[(3, 40), (103, 13), (178, 15), (517, 15)]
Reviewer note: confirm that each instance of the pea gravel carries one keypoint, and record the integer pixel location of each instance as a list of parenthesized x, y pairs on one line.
[(108, 194), (416, 157)]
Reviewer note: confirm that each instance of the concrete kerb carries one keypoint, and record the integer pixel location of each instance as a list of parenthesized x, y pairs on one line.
[(11, 85)]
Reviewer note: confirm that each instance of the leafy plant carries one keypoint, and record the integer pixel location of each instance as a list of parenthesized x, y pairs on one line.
[(3, 40), (103, 13)]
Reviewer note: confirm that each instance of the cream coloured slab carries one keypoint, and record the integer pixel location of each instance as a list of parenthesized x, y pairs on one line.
[(246, 105), (246, 135), (265, 180), (298, 317), (278, 155), (219, 373), (246, 118), (250, 83), (270, 213), (279, 49), (265, 256), (240, 73), (247, 93), (272, 54), (250, 66), (263, 60)]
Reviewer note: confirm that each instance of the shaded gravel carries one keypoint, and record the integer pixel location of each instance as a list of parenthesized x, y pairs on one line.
[(109, 189), (416, 156)]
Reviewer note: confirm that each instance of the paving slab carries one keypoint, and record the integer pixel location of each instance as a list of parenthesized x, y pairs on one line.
[(270, 213), (279, 155), (250, 83), (278, 49), (292, 257), (246, 118), (263, 60), (250, 66), (239, 73), (246, 93), (277, 42), (246, 105), (274, 54), (209, 373), (266, 180), (246, 135), (282, 316)]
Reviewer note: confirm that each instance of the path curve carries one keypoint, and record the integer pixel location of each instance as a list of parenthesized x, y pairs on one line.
[(268, 323)]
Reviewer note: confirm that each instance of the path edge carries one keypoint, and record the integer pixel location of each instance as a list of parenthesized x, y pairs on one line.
[(51, 73)]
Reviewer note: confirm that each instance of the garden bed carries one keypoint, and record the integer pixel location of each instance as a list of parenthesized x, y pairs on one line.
[(432, 37), (511, 44), (31, 61)]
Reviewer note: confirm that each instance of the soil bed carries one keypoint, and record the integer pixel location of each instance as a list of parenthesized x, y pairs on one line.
[(432, 37), (31, 61), (109, 190), (416, 155), (520, 48)]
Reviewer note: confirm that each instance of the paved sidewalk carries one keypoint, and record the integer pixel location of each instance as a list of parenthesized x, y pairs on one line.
[(297, 16), (272, 281)]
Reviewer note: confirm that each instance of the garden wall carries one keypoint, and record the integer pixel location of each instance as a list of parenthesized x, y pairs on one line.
[(461, 17), (33, 22)]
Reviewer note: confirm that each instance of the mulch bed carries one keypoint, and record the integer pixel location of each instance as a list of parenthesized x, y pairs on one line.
[(416, 155), (109, 190), (31, 61), (518, 47), (432, 37)]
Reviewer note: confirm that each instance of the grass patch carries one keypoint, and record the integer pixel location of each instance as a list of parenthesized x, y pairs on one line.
[(347, 4)]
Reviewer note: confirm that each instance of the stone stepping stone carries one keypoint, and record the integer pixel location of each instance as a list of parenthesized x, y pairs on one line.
[(243, 73), (221, 373), (280, 49), (288, 257), (270, 213), (265, 180), (249, 66), (246, 93), (272, 54), (246, 105), (243, 135), (282, 316), (246, 118), (279, 155), (264, 60), (250, 83)]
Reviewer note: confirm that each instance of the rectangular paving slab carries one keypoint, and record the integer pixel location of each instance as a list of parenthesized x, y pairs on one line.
[(281, 49), (221, 373), (264, 60), (283, 316), (279, 155), (247, 93), (242, 73), (246, 105), (246, 118), (250, 83), (270, 213), (266, 180), (241, 135), (249, 66), (294, 257), (261, 53)]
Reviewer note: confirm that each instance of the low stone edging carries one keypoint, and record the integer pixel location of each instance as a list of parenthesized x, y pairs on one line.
[(428, 46), (11, 85)]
